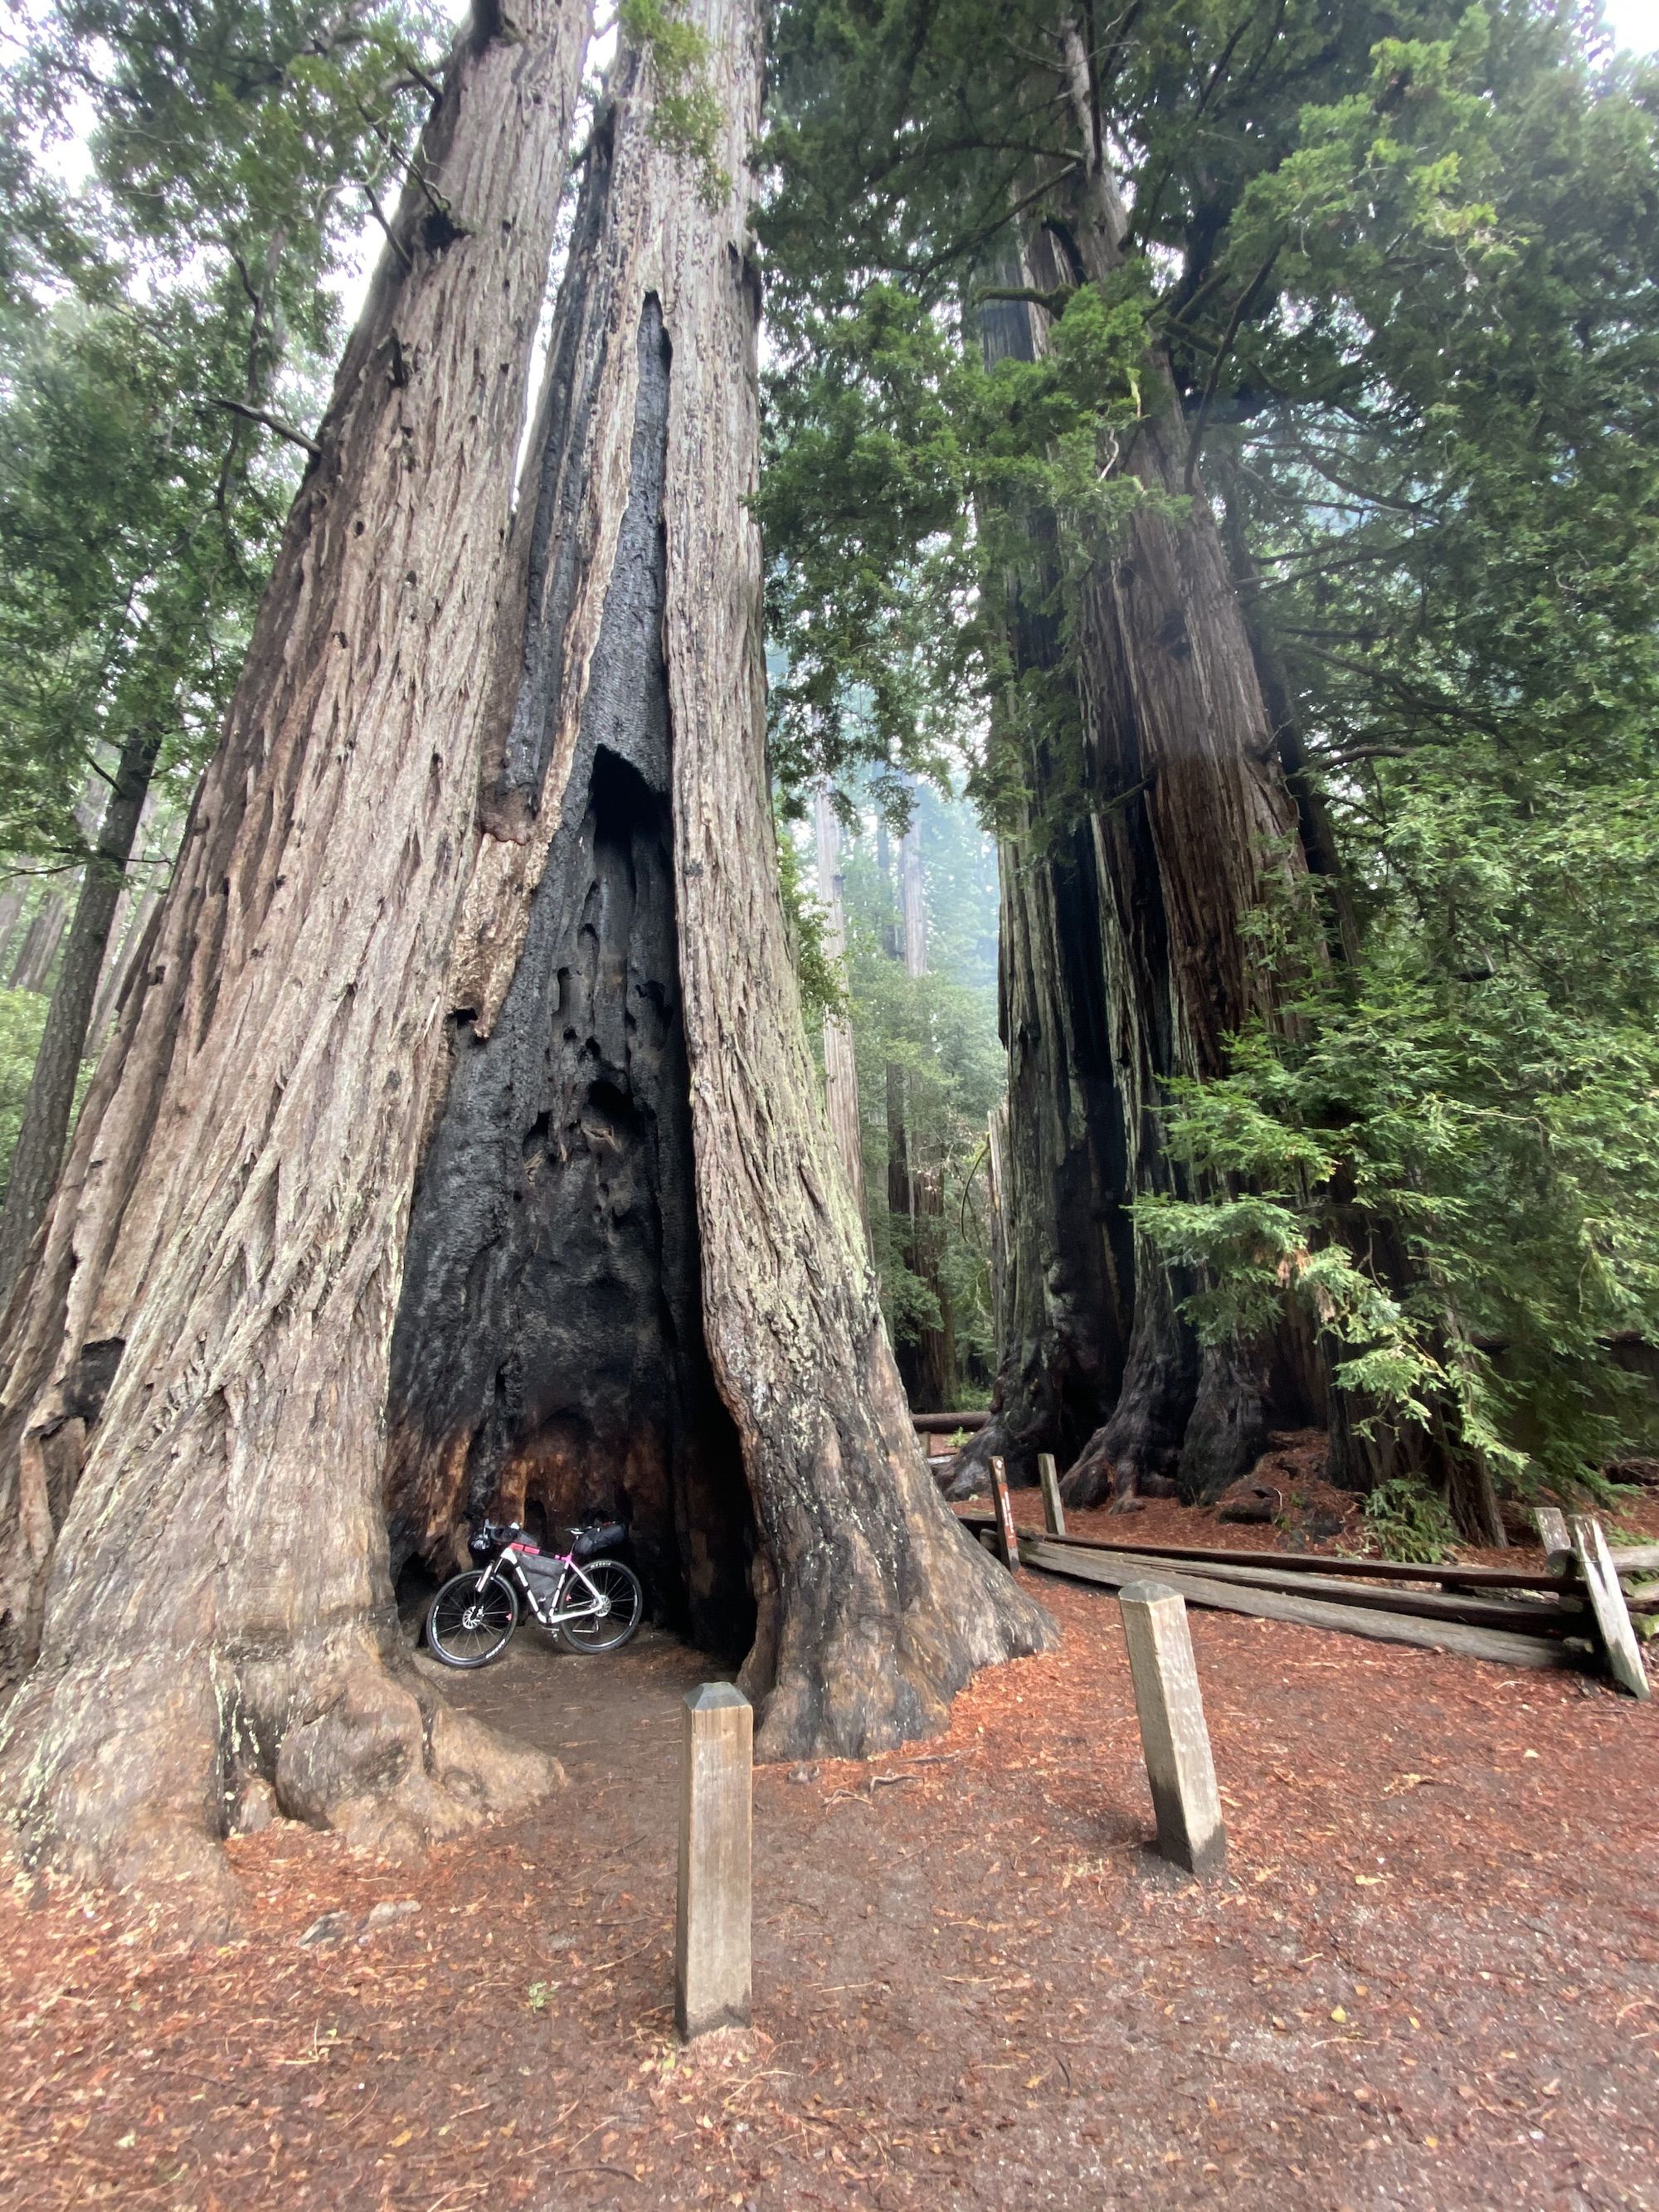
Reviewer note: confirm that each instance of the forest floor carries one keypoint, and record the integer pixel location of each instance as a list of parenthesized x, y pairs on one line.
[(1426, 1979)]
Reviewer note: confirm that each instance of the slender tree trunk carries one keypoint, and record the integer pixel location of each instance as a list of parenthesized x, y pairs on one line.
[(841, 1074), (51, 1096), (195, 1365), (931, 1386)]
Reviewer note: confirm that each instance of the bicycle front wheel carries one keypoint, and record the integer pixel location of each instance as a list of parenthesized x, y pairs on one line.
[(621, 1602), (468, 1628)]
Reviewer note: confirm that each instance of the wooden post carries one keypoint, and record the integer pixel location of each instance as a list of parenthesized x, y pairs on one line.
[(711, 1951), (1008, 1536), (1608, 1602), (1551, 1526), (1173, 1737), (1054, 1513)]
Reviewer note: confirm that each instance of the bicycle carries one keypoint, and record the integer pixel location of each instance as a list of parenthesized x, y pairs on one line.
[(590, 1603)]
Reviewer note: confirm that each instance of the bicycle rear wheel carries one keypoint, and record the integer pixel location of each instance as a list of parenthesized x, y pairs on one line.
[(621, 1597), (468, 1627)]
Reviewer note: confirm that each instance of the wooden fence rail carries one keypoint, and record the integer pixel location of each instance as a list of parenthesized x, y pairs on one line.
[(1514, 1616)]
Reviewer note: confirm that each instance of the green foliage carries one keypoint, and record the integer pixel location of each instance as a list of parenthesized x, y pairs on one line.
[(132, 547), (687, 119), (1505, 1144), (1408, 1522), (163, 332)]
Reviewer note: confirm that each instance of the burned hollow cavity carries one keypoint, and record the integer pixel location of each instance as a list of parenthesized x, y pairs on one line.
[(549, 1354)]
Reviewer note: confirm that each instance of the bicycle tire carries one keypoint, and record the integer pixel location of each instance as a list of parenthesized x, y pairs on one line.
[(446, 1621), (607, 1631)]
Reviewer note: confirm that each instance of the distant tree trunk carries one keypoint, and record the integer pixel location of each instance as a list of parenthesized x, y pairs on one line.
[(841, 1074), (41, 939), (195, 1365), (1063, 1182), (228, 1339), (914, 1196), (51, 1097), (11, 910)]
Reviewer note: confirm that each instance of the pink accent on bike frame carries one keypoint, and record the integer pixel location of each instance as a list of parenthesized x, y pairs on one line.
[(562, 1558)]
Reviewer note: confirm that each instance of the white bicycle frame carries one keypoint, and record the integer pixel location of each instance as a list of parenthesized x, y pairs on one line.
[(557, 1615)]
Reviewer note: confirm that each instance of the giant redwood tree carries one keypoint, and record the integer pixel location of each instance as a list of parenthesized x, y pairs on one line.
[(1069, 254), (461, 1143), (1025, 163)]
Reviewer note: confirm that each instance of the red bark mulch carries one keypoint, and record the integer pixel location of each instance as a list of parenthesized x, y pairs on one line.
[(1428, 1978)]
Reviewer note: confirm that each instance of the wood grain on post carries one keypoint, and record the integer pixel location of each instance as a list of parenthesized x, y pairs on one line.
[(1551, 1526), (1173, 1736), (1054, 1513), (711, 1951), (1008, 1536), (1608, 1603)]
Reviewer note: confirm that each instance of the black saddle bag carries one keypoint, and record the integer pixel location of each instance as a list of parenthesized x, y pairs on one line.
[(606, 1536)]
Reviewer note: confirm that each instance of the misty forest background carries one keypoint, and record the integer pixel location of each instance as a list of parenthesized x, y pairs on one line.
[(1403, 264)]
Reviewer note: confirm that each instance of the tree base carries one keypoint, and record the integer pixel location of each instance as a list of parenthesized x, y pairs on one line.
[(890, 1606), (128, 1773)]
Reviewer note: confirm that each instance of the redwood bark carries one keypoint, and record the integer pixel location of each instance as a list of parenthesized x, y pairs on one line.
[(195, 1365), (122, 958), (1062, 1184)]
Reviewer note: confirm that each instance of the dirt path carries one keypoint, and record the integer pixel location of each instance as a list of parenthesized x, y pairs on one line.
[(1429, 1979)]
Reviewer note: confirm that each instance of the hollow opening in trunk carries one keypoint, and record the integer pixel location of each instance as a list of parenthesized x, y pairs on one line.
[(549, 1354)]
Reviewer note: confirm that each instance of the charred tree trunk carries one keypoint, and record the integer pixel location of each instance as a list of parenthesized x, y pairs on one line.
[(195, 1365), (51, 1097), (870, 1606), (201, 1372), (549, 1354), (841, 1074)]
